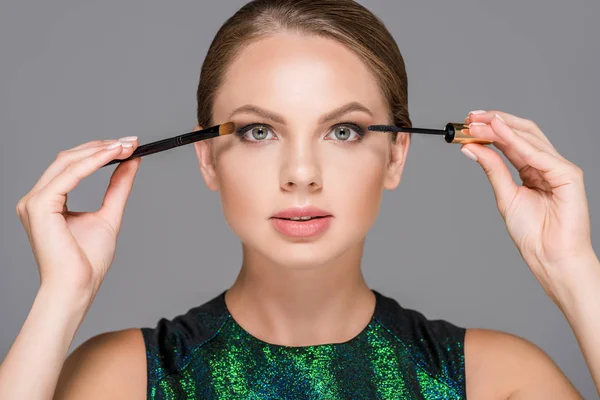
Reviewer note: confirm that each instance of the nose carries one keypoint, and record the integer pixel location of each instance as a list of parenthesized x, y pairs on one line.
[(300, 169)]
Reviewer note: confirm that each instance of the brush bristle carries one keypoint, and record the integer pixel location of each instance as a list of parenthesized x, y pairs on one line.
[(383, 128), (226, 128)]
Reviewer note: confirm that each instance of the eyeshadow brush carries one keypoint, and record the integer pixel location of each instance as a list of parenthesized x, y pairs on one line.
[(181, 140)]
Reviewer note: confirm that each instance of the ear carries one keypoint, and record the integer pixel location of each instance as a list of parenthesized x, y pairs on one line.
[(204, 153), (397, 161)]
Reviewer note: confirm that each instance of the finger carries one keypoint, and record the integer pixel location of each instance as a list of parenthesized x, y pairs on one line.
[(487, 131), (105, 142), (483, 128), (65, 207), (68, 157), (53, 194), (513, 121), (127, 143), (504, 187), (117, 193), (63, 159), (90, 144), (530, 176), (555, 170)]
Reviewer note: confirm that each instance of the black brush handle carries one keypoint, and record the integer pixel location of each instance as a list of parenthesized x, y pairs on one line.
[(169, 143)]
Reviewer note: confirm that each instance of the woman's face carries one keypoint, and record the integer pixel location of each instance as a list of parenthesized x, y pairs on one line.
[(298, 157)]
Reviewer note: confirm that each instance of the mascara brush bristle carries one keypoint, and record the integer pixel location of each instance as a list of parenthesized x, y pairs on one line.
[(384, 128), (391, 128), (226, 128)]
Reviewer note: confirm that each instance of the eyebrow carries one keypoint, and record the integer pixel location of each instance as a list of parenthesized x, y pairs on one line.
[(338, 112)]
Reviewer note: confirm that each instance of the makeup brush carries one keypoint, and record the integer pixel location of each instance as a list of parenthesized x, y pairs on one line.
[(453, 133), (176, 141)]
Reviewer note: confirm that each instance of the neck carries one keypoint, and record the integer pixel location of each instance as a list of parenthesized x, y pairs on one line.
[(328, 303)]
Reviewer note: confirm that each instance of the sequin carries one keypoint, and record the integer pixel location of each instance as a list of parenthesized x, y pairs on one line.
[(206, 354)]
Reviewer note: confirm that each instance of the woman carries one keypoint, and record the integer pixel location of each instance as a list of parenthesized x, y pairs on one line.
[(301, 81)]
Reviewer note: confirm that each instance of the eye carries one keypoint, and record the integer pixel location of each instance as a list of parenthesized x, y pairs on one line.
[(343, 132), (257, 132)]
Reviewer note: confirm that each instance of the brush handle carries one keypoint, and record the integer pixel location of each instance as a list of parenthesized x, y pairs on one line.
[(170, 143)]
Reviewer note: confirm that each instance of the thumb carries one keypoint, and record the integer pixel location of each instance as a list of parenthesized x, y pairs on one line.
[(118, 191), (505, 188)]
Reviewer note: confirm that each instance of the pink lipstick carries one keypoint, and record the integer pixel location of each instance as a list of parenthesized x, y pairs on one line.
[(301, 222)]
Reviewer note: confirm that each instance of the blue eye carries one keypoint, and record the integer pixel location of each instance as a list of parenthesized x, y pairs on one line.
[(258, 132)]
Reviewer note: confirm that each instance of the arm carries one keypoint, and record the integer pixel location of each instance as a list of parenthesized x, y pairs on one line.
[(41, 347), (108, 366), (547, 218), (73, 252), (580, 303), (504, 366)]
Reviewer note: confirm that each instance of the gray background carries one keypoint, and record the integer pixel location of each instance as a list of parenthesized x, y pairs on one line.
[(72, 72)]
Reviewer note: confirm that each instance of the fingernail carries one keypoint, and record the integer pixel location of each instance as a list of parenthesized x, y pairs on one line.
[(478, 112), (477, 124), (468, 153), (499, 117), (128, 139), (127, 144), (112, 146)]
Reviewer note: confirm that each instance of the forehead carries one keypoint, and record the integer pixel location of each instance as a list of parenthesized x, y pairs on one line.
[(293, 73)]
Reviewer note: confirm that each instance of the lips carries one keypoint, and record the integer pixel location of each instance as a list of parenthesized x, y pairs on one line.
[(314, 223), (312, 228), (299, 212)]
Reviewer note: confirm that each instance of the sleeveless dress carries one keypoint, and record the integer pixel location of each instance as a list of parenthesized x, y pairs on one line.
[(400, 354)]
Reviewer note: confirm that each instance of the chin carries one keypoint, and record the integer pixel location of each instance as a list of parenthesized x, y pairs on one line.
[(305, 255), (302, 253), (300, 258)]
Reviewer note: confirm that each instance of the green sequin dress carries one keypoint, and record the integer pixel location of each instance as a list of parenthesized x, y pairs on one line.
[(400, 354)]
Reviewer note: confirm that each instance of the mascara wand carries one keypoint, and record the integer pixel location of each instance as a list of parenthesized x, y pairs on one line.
[(453, 133)]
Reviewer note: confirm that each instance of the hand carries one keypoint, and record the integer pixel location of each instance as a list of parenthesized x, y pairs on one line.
[(74, 250), (547, 217)]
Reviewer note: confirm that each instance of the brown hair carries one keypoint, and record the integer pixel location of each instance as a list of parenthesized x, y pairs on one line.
[(343, 20)]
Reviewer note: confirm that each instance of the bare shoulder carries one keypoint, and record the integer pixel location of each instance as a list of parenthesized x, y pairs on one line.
[(499, 365), (111, 365)]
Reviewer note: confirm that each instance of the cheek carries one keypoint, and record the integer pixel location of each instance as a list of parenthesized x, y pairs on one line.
[(246, 188), (355, 184), (352, 187)]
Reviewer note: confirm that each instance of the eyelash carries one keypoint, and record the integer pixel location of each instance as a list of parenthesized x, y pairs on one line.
[(241, 132)]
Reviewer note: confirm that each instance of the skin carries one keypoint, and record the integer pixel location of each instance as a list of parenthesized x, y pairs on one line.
[(282, 281)]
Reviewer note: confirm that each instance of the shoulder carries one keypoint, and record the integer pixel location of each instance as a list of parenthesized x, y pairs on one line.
[(109, 365), (511, 367), (434, 346), (172, 344)]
